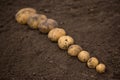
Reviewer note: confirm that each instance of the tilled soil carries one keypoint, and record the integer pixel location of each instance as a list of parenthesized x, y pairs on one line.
[(27, 54)]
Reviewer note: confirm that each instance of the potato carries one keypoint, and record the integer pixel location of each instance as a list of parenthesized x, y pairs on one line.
[(23, 15), (46, 26), (100, 68), (65, 41), (92, 62), (56, 33), (73, 50), (36, 19), (83, 56)]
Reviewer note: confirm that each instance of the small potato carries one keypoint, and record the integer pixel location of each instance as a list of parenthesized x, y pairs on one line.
[(56, 33), (46, 26), (23, 15), (73, 50), (65, 41), (92, 62), (83, 56), (36, 19), (100, 68)]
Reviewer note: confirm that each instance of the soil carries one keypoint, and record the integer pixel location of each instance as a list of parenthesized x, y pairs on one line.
[(27, 54)]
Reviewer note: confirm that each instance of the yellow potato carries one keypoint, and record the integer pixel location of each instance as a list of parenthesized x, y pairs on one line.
[(46, 26), (56, 33), (92, 62), (65, 41), (23, 15), (83, 56), (100, 68), (73, 50), (36, 19)]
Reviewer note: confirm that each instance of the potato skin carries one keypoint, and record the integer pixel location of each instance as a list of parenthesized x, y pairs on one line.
[(23, 14), (92, 62), (65, 41), (46, 26), (100, 68), (74, 50), (56, 33), (35, 19), (83, 56)]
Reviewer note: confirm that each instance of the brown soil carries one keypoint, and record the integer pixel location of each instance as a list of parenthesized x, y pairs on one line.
[(27, 54)]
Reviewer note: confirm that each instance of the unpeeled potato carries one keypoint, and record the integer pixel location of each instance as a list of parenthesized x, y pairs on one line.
[(100, 68), (46, 26), (83, 56), (65, 41), (36, 19), (92, 62), (56, 33), (23, 14), (73, 50)]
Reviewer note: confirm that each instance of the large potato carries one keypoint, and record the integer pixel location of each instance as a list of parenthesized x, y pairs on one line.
[(23, 14), (46, 26), (36, 19), (100, 68), (92, 62), (56, 33), (65, 41), (83, 56), (73, 50)]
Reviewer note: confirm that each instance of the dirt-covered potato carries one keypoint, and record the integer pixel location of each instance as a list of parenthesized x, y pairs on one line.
[(83, 56), (92, 62), (23, 14), (65, 41), (56, 33), (46, 26), (73, 50), (100, 68), (36, 19)]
